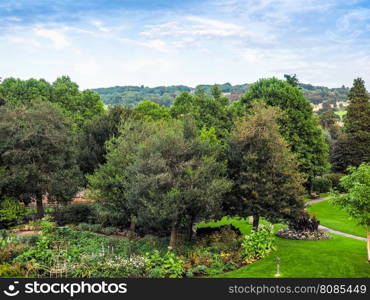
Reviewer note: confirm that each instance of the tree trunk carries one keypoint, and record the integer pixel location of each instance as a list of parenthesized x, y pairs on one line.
[(256, 220), (40, 208), (133, 224), (173, 235), (190, 229)]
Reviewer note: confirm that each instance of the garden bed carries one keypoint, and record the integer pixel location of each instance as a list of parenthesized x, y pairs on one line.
[(302, 235)]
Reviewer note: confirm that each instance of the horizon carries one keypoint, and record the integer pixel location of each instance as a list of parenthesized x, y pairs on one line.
[(162, 42)]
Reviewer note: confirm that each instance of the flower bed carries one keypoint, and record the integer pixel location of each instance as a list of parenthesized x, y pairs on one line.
[(303, 235)]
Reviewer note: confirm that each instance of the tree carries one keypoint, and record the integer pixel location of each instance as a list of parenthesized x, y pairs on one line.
[(76, 105), (298, 125), (152, 111), (266, 179), (164, 174), (357, 199), (357, 123), (207, 110), (38, 154), (292, 80), (96, 132)]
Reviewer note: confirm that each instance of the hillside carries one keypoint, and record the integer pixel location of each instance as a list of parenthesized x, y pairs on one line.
[(164, 95)]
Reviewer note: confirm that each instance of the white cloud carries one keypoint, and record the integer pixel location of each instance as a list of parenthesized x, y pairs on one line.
[(57, 38)]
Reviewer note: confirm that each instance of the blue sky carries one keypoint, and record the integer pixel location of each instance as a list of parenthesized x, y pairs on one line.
[(102, 43)]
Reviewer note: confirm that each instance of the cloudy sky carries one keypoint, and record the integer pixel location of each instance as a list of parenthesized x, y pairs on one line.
[(101, 43)]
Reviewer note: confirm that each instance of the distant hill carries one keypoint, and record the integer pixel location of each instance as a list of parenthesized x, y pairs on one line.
[(165, 95)]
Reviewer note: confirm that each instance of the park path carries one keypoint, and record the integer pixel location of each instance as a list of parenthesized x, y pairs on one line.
[(332, 230)]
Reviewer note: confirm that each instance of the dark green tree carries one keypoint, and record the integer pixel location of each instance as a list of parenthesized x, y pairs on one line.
[(357, 123), (96, 132), (38, 154), (267, 182), (298, 125)]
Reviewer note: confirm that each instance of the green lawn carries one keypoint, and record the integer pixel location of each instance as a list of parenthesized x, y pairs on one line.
[(339, 257), (335, 218)]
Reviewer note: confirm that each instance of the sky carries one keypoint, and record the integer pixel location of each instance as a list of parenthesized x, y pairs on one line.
[(102, 43)]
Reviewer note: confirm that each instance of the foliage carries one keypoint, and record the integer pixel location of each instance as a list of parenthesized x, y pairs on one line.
[(258, 244), (75, 213), (298, 125), (357, 200), (96, 132), (152, 111), (11, 211), (335, 181), (305, 222), (265, 173), (168, 265), (357, 124), (77, 106), (321, 184), (40, 158)]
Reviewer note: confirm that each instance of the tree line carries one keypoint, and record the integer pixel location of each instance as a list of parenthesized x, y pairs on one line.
[(166, 168)]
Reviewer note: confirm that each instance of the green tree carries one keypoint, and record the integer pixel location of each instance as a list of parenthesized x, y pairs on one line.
[(292, 80), (152, 111), (96, 132), (207, 110), (357, 199), (163, 174), (37, 154), (298, 125), (266, 179), (76, 105), (357, 123)]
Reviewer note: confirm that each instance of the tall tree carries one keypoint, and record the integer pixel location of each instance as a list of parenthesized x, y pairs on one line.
[(266, 179), (357, 123), (96, 132), (38, 154), (298, 125)]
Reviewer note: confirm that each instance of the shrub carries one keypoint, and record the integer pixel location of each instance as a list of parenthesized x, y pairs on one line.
[(13, 270), (110, 218), (258, 243), (90, 227), (164, 266), (305, 222), (222, 240), (321, 184), (335, 178), (74, 213), (11, 212)]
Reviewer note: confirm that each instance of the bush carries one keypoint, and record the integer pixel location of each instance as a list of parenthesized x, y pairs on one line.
[(305, 222), (164, 266), (258, 243), (321, 184), (222, 240), (334, 179), (110, 218), (90, 227), (11, 212), (74, 213), (13, 271)]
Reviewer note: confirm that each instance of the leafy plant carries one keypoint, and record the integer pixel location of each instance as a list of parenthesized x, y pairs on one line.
[(11, 211), (167, 265), (258, 244)]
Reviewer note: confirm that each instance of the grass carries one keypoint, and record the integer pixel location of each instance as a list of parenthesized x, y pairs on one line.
[(339, 257), (335, 218)]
